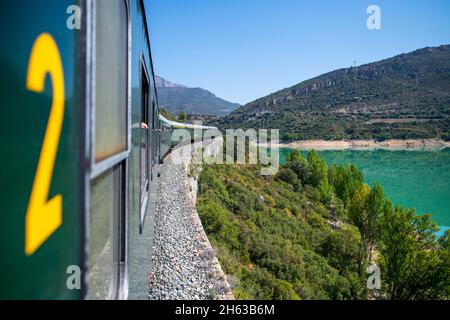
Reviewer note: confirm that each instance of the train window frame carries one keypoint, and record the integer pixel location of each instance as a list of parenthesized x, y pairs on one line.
[(154, 137), (97, 168), (119, 287), (143, 198)]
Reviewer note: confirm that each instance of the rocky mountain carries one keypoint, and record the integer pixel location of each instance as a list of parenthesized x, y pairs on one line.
[(177, 98), (407, 96), (163, 83)]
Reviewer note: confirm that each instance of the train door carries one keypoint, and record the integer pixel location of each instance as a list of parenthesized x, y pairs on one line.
[(140, 220)]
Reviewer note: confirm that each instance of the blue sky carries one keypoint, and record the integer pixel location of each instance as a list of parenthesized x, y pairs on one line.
[(245, 49)]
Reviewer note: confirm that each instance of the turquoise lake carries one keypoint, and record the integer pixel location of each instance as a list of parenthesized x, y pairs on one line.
[(413, 179)]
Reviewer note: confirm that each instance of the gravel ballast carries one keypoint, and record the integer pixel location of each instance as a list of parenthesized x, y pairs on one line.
[(184, 265)]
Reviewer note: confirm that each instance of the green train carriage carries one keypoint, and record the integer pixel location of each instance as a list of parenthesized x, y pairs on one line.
[(80, 149)]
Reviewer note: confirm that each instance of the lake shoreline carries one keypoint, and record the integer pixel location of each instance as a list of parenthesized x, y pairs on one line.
[(413, 178), (394, 144)]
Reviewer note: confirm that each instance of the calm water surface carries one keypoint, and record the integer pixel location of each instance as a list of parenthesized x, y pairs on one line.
[(414, 179)]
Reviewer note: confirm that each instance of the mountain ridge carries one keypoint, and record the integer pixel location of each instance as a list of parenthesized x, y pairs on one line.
[(163, 83), (178, 98), (361, 102)]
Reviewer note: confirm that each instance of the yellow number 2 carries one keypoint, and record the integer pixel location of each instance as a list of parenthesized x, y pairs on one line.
[(44, 216)]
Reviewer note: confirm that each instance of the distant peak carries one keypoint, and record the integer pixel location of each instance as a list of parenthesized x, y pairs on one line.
[(162, 83)]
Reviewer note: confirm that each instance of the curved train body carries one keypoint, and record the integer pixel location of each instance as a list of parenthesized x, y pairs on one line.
[(81, 143)]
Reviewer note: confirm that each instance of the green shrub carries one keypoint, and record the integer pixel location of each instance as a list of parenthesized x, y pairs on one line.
[(288, 176)]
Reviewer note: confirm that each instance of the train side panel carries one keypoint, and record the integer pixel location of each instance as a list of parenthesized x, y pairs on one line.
[(80, 137), (143, 169), (41, 135)]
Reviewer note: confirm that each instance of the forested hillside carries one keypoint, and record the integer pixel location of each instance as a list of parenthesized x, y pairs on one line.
[(311, 231)]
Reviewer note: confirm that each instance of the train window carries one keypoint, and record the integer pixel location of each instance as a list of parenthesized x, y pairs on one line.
[(107, 213), (154, 137), (104, 233), (145, 136), (111, 79)]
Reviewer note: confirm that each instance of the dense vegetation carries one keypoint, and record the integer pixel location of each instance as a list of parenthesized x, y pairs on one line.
[(407, 96), (311, 231)]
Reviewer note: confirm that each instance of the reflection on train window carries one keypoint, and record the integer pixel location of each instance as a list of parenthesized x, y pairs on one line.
[(154, 136), (145, 132), (104, 246), (111, 79)]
